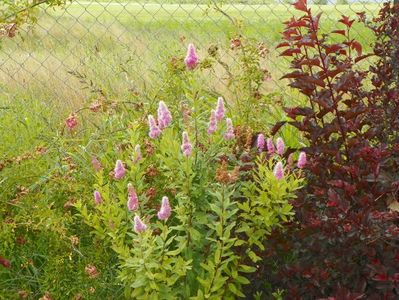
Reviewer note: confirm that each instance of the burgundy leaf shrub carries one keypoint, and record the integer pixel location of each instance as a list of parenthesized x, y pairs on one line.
[(344, 244)]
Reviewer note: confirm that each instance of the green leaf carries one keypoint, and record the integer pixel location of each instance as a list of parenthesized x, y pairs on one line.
[(141, 281), (235, 291)]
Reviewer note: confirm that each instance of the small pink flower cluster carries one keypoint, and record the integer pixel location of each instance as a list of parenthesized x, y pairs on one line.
[(71, 122), (133, 204), (216, 117), (97, 166), (164, 120), (280, 150), (132, 199), (137, 156), (191, 60), (186, 146), (163, 214), (119, 170)]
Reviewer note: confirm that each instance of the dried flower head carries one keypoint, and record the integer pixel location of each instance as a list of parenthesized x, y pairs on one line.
[(91, 271), (224, 176)]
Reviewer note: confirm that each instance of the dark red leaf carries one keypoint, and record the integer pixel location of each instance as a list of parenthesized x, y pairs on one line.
[(342, 32), (309, 62), (290, 52), (334, 48), (345, 20), (283, 44), (277, 127), (297, 23), (316, 21), (301, 5), (381, 277), (356, 46), (295, 74), (359, 58)]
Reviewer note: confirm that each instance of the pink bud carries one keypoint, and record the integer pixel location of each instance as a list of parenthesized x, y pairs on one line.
[(154, 129), (260, 142), (280, 146), (301, 160), (191, 59), (137, 153), (71, 121), (229, 134), (270, 146), (97, 197), (139, 226), (96, 164), (220, 109), (279, 171), (164, 116), (186, 146), (119, 170), (212, 123), (165, 211), (132, 199)]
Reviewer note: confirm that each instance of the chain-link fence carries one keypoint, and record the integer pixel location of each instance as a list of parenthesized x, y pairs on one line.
[(120, 45)]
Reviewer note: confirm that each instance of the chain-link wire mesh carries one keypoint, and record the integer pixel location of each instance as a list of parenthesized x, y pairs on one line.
[(121, 44)]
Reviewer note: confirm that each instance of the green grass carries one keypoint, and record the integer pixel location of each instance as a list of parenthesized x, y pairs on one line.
[(96, 38)]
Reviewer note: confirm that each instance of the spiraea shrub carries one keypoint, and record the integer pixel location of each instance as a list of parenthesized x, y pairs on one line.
[(187, 203)]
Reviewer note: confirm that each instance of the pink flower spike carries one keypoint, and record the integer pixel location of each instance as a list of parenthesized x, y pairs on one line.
[(119, 170), (301, 160), (212, 123), (260, 142), (164, 116), (229, 134), (270, 146), (186, 146), (279, 171), (220, 110), (71, 122), (191, 60), (166, 210), (139, 226), (280, 146), (154, 129), (96, 164), (97, 197), (137, 153), (132, 199)]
